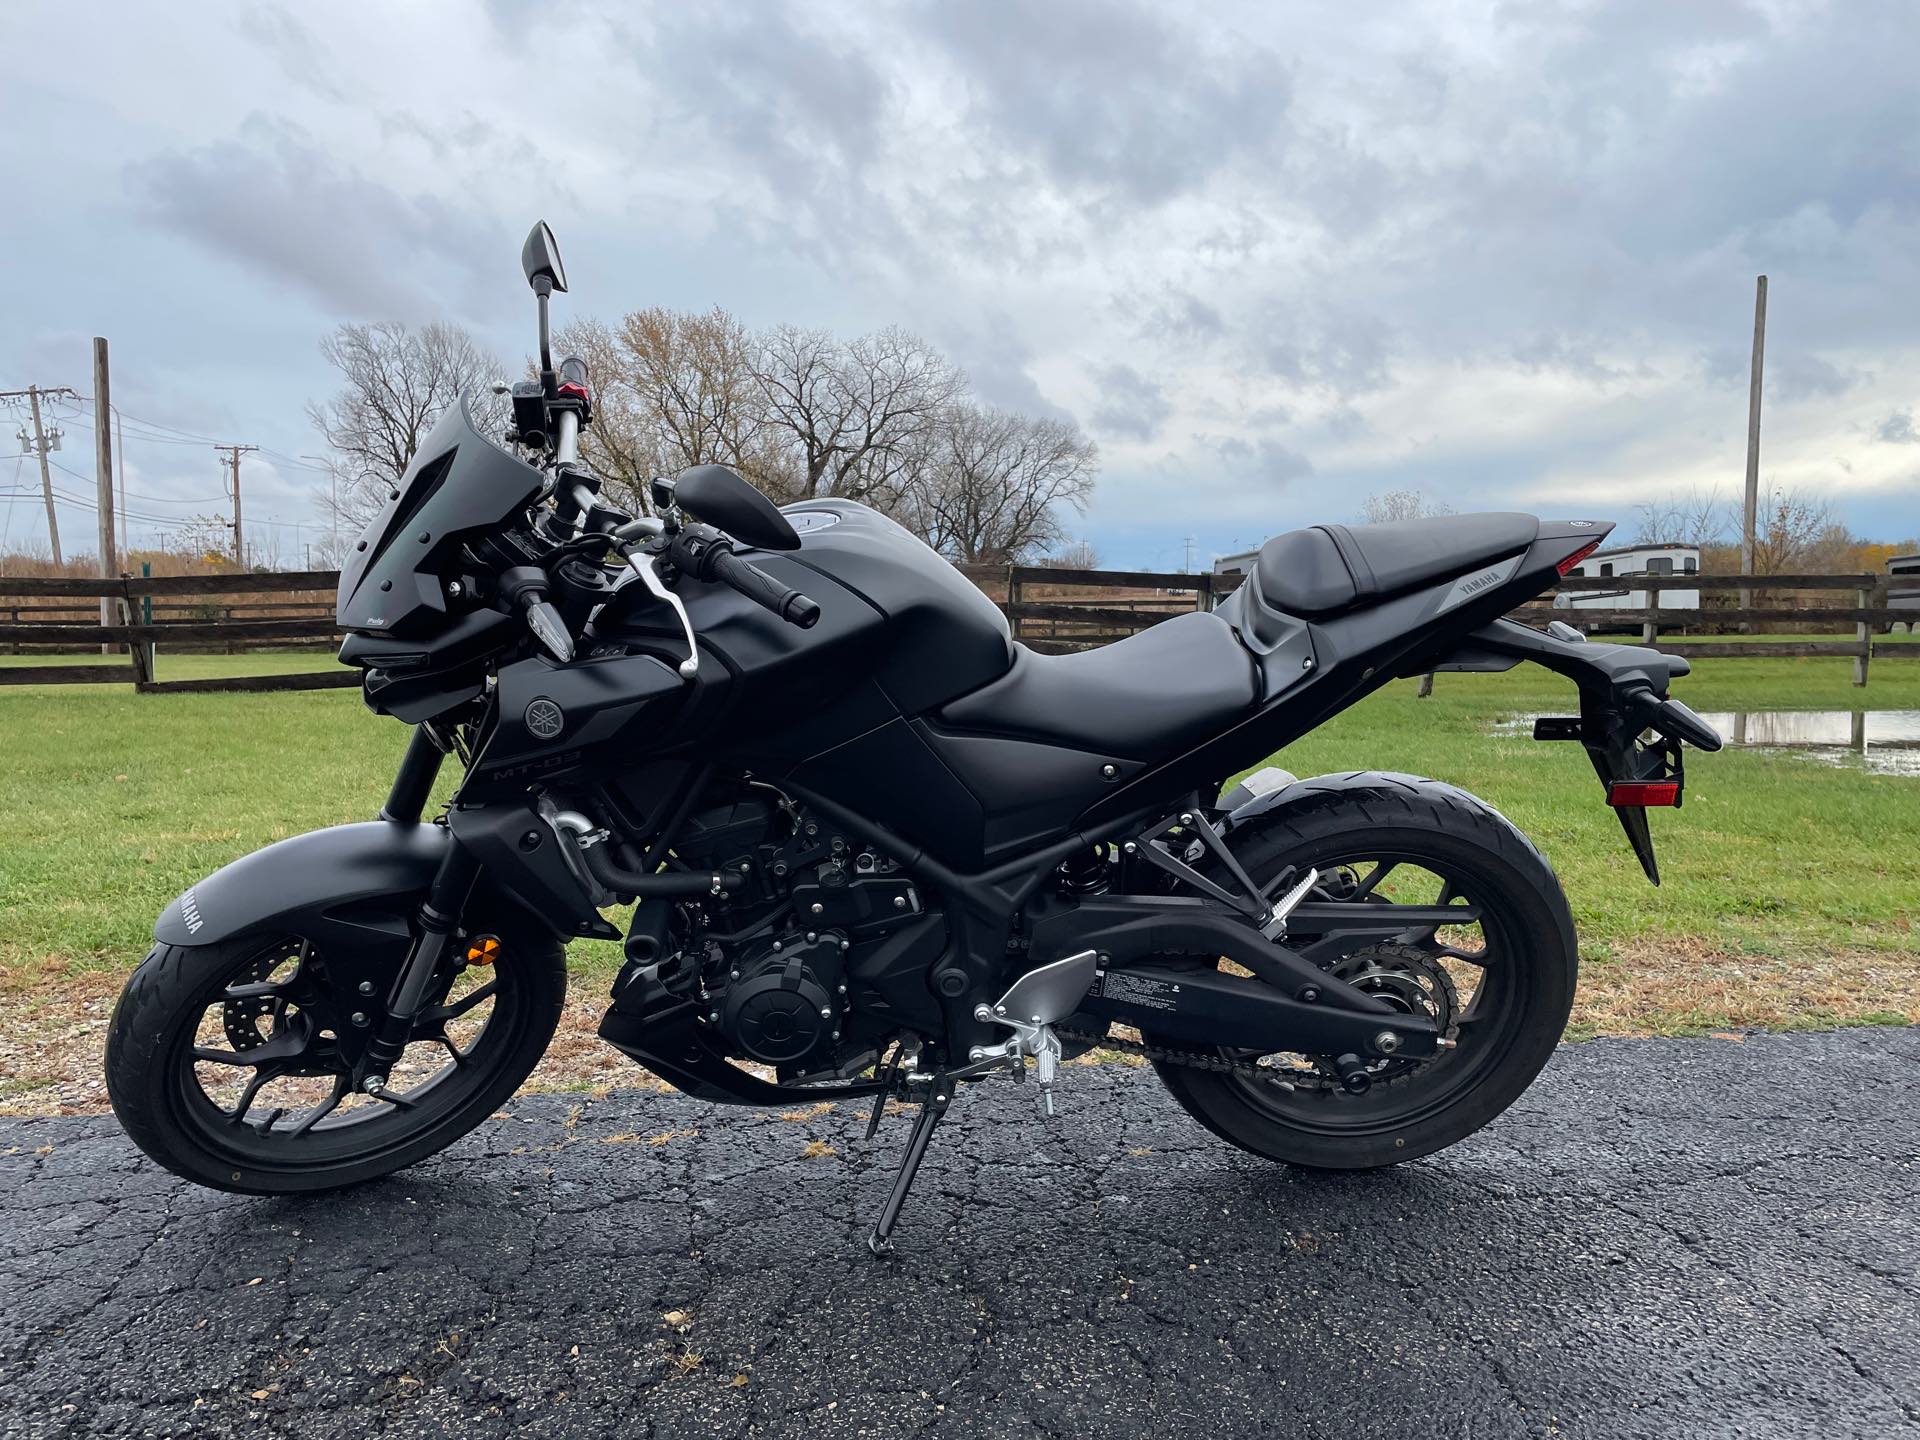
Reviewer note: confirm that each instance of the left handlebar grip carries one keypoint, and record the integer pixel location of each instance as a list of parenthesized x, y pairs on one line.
[(761, 588)]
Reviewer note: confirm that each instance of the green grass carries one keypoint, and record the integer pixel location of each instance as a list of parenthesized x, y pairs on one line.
[(1791, 885)]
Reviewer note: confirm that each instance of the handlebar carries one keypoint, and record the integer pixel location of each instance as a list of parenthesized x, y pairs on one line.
[(768, 593)]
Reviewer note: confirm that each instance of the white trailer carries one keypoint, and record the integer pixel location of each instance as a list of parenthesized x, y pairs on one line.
[(1903, 590), (1616, 571)]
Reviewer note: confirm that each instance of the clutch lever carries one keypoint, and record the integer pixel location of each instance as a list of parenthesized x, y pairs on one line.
[(643, 565)]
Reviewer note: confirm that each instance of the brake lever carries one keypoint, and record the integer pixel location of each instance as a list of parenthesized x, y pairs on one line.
[(650, 577)]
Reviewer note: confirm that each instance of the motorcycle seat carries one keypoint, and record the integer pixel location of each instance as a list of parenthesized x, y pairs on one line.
[(1148, 697), (1330, 568)]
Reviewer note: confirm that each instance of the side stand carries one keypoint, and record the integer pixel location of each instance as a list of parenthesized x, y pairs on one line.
[(932, 1110)]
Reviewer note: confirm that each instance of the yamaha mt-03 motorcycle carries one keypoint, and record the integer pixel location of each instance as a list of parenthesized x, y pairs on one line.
[(876, 849)]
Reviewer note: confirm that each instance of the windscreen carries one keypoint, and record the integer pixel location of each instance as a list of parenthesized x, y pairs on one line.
[(459, 482)]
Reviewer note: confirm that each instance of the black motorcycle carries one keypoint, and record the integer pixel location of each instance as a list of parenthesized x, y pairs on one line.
[(877, 847)]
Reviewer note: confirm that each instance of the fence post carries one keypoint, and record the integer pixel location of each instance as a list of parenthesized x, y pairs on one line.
[(138, 659), (1863, 632), (1013, 601), (1203, 592), (1650, 627), (1426, 686)]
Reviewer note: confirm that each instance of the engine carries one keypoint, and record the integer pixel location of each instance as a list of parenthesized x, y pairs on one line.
[(821, 956), (784, 1003)]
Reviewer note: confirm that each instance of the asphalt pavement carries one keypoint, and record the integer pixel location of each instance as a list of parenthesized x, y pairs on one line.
[(1712, 1237)]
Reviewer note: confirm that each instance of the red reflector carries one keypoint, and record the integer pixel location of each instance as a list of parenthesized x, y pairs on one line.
[(1624, 794), (1577, 556), (579, 392)]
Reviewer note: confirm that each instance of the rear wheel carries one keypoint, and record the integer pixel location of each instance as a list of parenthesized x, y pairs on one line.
[(233, 1064), (1498, 981)]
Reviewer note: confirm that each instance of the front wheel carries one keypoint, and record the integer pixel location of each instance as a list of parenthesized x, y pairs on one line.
[(232, 1064), (1498, 982)]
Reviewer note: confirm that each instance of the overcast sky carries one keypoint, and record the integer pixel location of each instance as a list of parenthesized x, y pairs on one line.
[(1273, 259)]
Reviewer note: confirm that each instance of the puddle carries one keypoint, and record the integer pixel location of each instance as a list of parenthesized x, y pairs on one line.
[(1886, 742)]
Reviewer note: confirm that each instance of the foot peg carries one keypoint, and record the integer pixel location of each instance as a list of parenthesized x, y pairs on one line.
[(1028, 1009)]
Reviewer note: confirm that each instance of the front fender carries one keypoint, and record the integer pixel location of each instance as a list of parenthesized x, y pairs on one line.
[(353, 884)]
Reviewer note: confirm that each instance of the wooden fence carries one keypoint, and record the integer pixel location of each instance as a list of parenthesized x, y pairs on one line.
[(1049, 609), (172, 611)]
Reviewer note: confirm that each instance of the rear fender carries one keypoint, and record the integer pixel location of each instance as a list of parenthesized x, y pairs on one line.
[(1623, 696), (351, 885)]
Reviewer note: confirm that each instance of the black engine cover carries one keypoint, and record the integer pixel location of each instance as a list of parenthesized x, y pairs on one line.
[(786, 1004)]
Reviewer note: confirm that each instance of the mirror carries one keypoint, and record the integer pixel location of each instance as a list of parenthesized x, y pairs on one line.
[(720, 497), (540, 258)]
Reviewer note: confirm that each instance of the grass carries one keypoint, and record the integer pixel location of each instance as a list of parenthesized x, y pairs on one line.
[(1790, 890)]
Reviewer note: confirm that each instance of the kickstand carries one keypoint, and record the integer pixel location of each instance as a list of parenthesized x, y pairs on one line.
[(932, 1109), (888, 1073)]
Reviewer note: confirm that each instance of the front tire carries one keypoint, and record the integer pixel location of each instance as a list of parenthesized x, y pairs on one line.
[(1505, 1030), (304, 1129)]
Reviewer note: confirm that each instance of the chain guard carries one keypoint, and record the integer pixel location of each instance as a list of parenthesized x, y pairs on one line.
[(1392, 972)]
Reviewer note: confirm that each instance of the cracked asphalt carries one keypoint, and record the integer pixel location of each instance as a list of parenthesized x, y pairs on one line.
[(1664, 1238)]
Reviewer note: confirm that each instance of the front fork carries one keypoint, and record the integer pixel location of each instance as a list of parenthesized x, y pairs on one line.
[(438, 917)]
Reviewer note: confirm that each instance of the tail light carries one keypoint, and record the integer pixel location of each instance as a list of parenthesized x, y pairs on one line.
[(1577, 556)]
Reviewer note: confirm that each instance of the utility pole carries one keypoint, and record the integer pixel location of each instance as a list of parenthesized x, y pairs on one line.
[(40, 444), (120, 448), (234, 452), (1750, 512), (103, 474)]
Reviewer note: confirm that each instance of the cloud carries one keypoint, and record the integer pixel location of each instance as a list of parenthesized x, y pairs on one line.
[(1131, 406), (1268, 462), (1897, 429), (277, 203), (1118, 99)]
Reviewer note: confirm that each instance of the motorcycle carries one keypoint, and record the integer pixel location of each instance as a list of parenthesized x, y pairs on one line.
[(876, 848)]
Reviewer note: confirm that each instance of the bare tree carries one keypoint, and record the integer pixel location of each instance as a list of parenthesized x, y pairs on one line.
[(1401, 505), (1697, 517), (693, 376), (1790, 523), (398, 382), (1073, 555), (623, 445), (990, 485), (854, 413), (206, 539)]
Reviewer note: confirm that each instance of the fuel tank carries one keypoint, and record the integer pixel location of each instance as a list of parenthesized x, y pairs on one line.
[(944, 637), (900, 632)]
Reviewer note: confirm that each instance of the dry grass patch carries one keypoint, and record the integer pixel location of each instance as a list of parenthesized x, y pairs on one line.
[(1688, 987)]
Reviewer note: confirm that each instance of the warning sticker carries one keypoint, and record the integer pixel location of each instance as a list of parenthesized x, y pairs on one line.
[(1143, 992)]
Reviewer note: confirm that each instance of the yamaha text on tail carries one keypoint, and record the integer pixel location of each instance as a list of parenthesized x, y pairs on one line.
[(879, 850)]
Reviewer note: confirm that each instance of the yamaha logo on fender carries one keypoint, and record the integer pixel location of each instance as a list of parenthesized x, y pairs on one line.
[(545, 720)]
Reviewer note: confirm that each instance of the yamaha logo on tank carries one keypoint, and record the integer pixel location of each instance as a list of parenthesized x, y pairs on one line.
[(545, 719)]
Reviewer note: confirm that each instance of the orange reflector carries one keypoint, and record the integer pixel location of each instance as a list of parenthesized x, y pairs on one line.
[(483, 950), (1625, 794)]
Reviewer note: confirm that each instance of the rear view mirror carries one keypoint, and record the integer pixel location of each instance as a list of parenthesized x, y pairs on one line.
[(540, 258), (720, 497)]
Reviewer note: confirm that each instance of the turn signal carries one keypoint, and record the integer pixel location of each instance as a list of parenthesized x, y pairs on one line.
[(1625, 794), (483, 950)]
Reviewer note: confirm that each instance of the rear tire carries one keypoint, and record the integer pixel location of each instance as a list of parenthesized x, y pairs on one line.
[(152, 1080), (1530, 995)]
